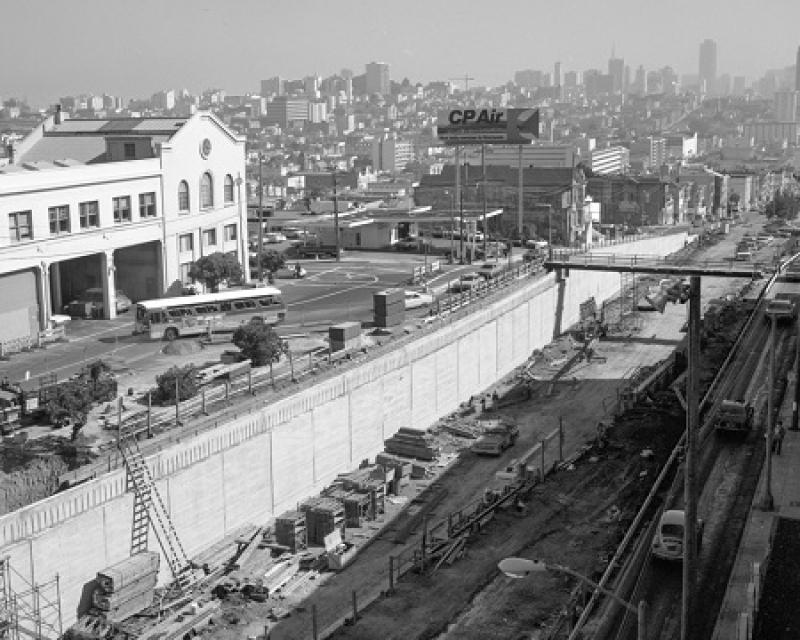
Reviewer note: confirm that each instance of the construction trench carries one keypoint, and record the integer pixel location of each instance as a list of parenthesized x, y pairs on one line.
[(199, 505)]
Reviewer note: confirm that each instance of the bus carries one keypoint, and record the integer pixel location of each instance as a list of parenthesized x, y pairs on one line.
[(171, 318)]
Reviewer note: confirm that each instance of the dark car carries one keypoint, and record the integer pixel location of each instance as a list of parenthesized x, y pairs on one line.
[(90, 303)]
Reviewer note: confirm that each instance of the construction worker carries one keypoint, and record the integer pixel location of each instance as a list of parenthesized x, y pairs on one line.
[(777, 438)]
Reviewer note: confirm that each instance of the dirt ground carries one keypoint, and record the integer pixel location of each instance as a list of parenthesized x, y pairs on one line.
[(576, 518)]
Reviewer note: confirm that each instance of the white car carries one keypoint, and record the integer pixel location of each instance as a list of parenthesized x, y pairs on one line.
[(467, 282), (274, 237), (417, 299), (668, 541)]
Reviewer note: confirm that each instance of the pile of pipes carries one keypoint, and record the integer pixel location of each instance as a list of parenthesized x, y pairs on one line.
[(412, 443), (127, 587)]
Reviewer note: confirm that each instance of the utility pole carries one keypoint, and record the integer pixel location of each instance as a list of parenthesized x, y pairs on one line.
[(689, 482), (461, 218), (794, 426), (483, 180), (260, 216), (336, 215)]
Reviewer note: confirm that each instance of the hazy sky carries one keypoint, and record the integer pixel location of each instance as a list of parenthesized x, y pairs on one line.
[(133, 48)]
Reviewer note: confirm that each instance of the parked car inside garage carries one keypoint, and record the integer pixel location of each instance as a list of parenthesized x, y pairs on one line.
[(90, 304)]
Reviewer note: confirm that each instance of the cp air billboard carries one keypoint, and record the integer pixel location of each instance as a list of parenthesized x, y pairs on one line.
[(472, 125)]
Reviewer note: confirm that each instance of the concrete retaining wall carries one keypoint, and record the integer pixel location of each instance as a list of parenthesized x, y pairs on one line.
[(257, 466)]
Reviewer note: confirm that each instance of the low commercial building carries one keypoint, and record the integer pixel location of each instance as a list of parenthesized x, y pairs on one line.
[(117, 204)]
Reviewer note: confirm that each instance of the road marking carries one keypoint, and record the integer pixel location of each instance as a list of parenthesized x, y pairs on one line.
[(328, 295)]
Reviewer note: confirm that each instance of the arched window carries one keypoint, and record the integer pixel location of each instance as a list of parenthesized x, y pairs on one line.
[(206, 191), (183, 196), (228, 195)]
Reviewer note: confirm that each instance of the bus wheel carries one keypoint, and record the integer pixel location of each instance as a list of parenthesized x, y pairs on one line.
[(171, 334)]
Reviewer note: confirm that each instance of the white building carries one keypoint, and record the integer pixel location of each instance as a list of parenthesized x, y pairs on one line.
[(122, 204), (610, 160)]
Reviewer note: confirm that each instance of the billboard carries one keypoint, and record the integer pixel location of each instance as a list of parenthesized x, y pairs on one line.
[(471, 125)]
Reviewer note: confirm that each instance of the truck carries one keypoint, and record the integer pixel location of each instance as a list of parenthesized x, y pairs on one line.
[(734, 416), (496, 439)]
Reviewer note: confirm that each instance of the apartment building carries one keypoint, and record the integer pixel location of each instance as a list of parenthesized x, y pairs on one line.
[(610, 160), (117, 204)]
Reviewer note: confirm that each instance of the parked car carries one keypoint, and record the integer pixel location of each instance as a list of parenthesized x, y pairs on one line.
[(668, 540), (90, 303), (417, 299), (490, 270), (467, 282), (291, 271), (273, 237)]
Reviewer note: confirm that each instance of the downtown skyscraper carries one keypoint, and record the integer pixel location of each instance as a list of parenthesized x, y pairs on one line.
[(708, 67)]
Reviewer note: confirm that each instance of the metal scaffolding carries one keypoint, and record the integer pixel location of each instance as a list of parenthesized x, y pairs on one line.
[(32, 611)]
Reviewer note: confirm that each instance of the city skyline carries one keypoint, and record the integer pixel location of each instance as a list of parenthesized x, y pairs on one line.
[(136, 49)]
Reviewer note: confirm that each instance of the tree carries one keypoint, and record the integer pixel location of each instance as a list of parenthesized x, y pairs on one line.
[(271, 261), (71, 403), (214, 268), (259, 342), (186, 378)]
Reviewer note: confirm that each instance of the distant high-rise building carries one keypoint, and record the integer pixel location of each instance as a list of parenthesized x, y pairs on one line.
[(284, 111), (786, 106), (739, 84), (378, 78), (797, 71), (724, 85), (557, 74), (164, 100), (311, 87), (640, 81), (273, 86), (616, 69), (571, 79), (528, 78), (708, 66)]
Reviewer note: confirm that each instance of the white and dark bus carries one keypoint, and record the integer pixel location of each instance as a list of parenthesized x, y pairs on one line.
[(171, 318)]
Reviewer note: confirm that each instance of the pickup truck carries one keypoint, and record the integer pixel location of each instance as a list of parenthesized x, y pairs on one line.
[(496, 439)]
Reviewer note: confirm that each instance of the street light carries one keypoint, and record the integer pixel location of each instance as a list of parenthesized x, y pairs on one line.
[(522, 568)]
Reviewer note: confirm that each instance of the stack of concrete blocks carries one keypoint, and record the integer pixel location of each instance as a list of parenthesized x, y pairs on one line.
[(126, 588), (389, 307), (345, 336), (290, 530)]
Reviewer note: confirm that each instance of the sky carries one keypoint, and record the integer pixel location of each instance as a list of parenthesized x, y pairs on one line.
[(134, 48)]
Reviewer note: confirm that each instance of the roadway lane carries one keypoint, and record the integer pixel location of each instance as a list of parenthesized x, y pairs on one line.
[(331, 293)]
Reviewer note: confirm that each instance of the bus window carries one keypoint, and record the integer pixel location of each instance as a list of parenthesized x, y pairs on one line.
[(225, 306), (266, 302)]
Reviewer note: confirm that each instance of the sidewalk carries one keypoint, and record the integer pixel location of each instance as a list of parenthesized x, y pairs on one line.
[(737, 613)]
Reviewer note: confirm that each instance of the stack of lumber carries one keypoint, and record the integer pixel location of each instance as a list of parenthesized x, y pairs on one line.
[(412, 443), (323, 515), (290, 530), (126, 588), (400, 470)]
